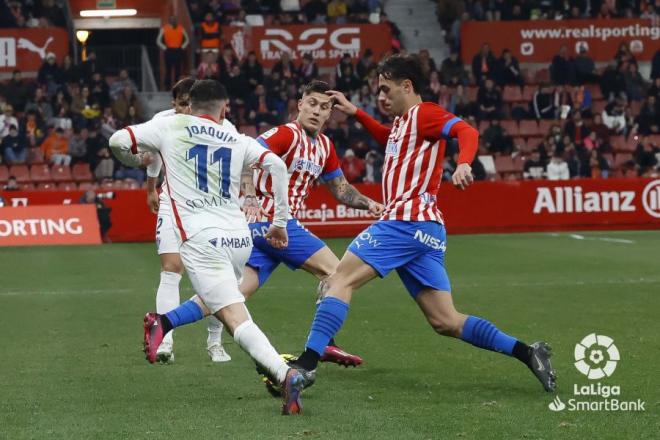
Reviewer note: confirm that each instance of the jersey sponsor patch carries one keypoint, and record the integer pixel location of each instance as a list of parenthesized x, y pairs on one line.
[(269, 133)]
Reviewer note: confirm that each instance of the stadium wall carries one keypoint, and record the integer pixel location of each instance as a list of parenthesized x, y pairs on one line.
[(486, 207)]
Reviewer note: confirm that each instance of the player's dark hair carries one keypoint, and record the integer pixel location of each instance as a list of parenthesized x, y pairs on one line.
[(207, 94), (182, 87), (400, 67), (315, 86)]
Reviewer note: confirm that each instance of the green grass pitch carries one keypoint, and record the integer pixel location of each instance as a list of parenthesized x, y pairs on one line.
[(71, 365)]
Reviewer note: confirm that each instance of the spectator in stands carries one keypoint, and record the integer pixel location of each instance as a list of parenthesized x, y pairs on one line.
[(624, 57), (348, 82), (120, 84), (365, 100), (557, 169), (655, 66), (53, 12), (308, 70), (646, 157), (237, 85), (336, 134), (648, 120), (14, 146), (173, 40), (635, 85), (585, 68), (496, 139), (427, 63), (89, 66), (210, 33), (598, 166), (337, 11), (7, 119), (614, 117), (564, 101), (132, 118), (489, 100), (484, 64), (78, 146), (253, 70), (454, 34), (452, 71), (259, 109), (124, 172), (100, 92), (373, 164), (315, 11), (32, 128), (543, 103), (352, 166), (534, 168), (12, 184), (123, 102), (56, 148), (40, 105), (50, 74), (70, 73), (562, 69), (612, 83), (102, 212), (432, 89), (576, 130), (461, 103), (208, 68), (285, 67), (581, 98), (508, 70), (104, 165), (17, 91), (365, 65)]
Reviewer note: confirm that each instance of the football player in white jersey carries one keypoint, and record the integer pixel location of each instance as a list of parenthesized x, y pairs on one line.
[(203, 164), (168, 243)]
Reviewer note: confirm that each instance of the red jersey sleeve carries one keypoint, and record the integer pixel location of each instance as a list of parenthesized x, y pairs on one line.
[(332, 167), (436, 123), (378, 131), (277, 139)]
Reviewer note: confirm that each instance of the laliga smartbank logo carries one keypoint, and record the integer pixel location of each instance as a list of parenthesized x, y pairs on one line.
[(596, 357)]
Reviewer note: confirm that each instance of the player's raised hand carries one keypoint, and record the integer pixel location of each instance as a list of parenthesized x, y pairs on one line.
[(376, 209), (252, 209), (153, 201), (277, 237), (342, 103), (462, 177)]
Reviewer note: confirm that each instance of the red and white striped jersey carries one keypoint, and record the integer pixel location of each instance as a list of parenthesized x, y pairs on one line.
[(307, 160), (414, 155)]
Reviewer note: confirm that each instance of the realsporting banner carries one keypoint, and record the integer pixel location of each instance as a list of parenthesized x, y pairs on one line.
[(538, 41), (26, 49), (327, 44), (485, 207), (49, 224)]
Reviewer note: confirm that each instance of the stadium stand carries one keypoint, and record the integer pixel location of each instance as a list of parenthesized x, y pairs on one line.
[(66, 114)]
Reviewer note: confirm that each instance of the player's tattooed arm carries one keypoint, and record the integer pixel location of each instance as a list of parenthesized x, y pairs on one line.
[(349, 195), (247, 184), (251, 207)]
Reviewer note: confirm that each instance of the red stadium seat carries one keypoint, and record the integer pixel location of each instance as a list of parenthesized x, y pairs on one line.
[(21, 172), (529, 128), (61, 173), (67, 186), (82, 173), (505, 165), (40, 173), (510, 126), (542, 76), (533, 142), (545, 125), (655, 139), (46, 186), (4, 173), (26, 186), (528, 93), (618, 142), (621, 159), (86, 186), (35, 156), (248, 130), (512, 94), (520, 142), (630, 174), (596, 93)]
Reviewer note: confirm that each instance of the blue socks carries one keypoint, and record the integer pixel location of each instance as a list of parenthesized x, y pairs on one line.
[(186, 313), (330, 316), (483, 334)]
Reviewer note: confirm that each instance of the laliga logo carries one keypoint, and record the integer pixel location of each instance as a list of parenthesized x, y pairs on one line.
[(651, 198), (590, 358)]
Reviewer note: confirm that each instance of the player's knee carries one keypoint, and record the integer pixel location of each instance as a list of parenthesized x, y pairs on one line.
[(446, 325)]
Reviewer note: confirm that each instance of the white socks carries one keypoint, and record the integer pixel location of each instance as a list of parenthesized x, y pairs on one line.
[(215, 331), (167, 297), (256, 344)]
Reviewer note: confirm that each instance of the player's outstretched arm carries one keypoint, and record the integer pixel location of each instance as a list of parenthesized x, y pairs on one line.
[(468, 144), (378, 131), (350, 196), (129, 144)]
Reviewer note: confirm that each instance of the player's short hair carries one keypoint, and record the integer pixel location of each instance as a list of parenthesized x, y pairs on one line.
[(182, 87), (399, 67), (315, 86), (207, 93)]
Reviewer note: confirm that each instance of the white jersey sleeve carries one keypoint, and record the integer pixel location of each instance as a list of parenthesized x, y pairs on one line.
[(126, 144), (255, 153)]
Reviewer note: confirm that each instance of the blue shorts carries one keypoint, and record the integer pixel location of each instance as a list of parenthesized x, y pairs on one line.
[(265, 258), (415, 249)]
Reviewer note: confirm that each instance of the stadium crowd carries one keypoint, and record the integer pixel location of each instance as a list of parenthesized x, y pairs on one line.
[(568, 120)]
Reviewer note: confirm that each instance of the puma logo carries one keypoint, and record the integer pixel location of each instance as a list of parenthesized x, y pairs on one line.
[(26, 44)]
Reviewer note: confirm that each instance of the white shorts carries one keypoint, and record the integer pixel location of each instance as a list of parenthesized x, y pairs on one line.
[(214, 259), (168, 240)]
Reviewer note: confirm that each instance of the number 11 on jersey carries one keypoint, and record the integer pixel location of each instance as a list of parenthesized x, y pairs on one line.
[(199, 153)]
